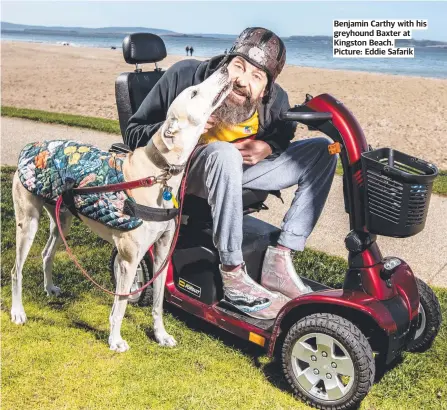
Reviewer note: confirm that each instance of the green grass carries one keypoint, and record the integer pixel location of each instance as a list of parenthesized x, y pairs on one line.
[(112, 126), (339, 169), (94, 123), (60, 357), (440, 184)]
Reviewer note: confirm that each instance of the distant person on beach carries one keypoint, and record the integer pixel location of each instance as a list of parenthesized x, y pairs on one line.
[(225, 52), (187, 50), (246, 145), (191, 50)]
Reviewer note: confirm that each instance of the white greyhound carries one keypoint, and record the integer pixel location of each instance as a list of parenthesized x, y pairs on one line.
[(175, 141)]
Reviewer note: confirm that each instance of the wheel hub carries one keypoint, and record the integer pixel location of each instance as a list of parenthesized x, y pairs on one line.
[(422, 322), (322, 366), (137, 283), (138, 280)]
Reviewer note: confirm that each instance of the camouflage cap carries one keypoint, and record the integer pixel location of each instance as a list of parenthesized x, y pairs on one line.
[(262, 48)]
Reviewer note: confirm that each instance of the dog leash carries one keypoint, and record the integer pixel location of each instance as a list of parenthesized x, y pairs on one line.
[(139, 183), (144, 182)]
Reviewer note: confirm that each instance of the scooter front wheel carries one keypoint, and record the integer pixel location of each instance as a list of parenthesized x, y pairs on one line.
[(328, 361), (430, 319)]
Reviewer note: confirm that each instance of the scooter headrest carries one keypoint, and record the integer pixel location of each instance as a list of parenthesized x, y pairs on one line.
[(139, 48)]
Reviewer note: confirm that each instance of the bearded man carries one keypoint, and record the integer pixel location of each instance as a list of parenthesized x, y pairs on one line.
[(248, 146)]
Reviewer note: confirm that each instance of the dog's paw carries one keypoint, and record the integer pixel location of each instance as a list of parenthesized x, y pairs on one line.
[(119, 346), (18, 315), (53, 291), (165, 339)]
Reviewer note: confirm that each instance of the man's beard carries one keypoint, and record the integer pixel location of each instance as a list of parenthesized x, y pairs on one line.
[(232, 112)]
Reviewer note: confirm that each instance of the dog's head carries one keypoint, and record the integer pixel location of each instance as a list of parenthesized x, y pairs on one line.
[(189, 112)]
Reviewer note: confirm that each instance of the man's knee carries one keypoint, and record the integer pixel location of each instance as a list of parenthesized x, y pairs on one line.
[(317, 148), (215, 165), (323, 147), (223, 155)]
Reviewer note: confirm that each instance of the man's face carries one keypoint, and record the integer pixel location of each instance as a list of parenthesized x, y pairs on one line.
[(249, 81), (249, 84)]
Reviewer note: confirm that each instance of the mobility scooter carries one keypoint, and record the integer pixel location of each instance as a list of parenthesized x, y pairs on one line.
[(330, 339)]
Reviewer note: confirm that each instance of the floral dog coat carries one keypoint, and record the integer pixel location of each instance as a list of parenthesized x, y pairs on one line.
[(45, 167)]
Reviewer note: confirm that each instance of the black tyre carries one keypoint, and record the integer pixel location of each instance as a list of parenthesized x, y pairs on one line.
[(328, 361), (144, 274), (430, 319)]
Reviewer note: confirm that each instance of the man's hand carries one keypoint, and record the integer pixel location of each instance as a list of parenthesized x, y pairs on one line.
[(210, 124), (253, 151)]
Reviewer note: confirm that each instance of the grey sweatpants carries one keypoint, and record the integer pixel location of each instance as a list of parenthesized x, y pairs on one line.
[(218, 174)]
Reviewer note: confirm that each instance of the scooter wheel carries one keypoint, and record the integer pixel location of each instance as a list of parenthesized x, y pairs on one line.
[(430, 319), (328, 361), (144, 274)]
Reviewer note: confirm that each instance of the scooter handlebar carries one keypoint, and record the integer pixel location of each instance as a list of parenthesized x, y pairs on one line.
[(306, 116)]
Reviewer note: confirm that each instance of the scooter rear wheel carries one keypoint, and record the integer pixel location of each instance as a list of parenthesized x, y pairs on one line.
[(143, 275), (430, 319), (328, 361)]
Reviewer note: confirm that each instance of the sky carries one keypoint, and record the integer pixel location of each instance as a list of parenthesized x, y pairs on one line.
[(285, 18)]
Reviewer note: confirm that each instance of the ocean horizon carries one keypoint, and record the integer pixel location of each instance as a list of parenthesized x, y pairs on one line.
[(304, 51)]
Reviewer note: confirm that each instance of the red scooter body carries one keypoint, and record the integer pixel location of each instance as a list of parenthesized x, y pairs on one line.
[(327, 338), (385, 308)]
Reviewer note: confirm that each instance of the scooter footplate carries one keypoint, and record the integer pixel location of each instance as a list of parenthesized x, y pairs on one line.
[(260, 323)]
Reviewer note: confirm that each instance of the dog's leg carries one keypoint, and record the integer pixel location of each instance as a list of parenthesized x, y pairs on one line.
[(161, 250), (53, 242), (27, 208), (129, 255)]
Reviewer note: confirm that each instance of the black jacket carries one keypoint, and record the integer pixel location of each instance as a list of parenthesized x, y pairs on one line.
[(152, 112)]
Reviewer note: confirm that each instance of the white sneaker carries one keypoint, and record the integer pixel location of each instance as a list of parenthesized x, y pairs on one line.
[(279, 275), (242, 292)]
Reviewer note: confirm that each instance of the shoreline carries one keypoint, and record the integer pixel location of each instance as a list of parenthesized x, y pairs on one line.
[(58, 44), (403, 112)]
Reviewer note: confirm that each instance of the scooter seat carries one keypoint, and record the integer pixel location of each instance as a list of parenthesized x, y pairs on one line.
[(253, 197)]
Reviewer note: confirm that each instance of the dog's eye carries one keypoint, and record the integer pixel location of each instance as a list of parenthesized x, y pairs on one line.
[(194, 93)]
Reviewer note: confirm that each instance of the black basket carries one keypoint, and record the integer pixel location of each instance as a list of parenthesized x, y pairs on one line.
[(397, 192)]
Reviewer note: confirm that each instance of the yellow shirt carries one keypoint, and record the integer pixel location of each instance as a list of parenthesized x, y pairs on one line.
[(233, 133)]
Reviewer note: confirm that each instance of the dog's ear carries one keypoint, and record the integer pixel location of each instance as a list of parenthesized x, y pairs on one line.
[(168, 133)]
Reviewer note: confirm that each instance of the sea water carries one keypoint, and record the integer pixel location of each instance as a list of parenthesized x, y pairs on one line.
[(301, 51)]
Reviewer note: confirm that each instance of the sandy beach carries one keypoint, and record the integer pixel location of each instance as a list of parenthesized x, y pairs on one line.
[(407, 113)]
